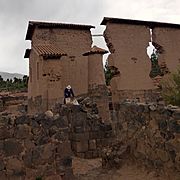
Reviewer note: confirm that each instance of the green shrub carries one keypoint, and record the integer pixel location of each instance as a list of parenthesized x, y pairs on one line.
[(171, 89), (39, 178)]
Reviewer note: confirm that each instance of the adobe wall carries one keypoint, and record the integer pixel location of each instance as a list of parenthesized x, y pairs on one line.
[(47, 85), (146, 133), (74, 43), (35, 146), (167, 41), (127, 44), (96, 71)]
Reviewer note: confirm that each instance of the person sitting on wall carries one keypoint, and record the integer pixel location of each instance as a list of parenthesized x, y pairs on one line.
[(68, 95)]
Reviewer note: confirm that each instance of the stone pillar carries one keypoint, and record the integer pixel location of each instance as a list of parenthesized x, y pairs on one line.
[(97, 89), (95, 67)]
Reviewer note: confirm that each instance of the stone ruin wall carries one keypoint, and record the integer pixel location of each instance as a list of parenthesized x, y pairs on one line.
[(74, 43), (70, 69), (96, 75), (48, 86), (42, 145), (100, 96), (15, 103), (87, 133), (127, 44), (75, 65), (34, 146), (167, 41), (146, 133), (130, 63)]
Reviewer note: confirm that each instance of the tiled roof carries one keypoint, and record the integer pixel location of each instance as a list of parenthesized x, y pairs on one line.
[(151, 24), (48, 51), (27, 53), (95, 50), (33, 24)]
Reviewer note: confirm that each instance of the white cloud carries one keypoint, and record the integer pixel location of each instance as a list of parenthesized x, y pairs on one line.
[(154, 10), (15, 14)]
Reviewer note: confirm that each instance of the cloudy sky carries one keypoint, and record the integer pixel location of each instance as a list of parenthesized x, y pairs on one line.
[(15, 14)]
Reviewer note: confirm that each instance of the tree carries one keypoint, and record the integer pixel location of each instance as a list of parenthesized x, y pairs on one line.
[(155, 69), (25, 80), (1, 79), (108, 74)]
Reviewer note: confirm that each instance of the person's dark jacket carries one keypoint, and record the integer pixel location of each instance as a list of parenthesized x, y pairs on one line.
[(68, 93)]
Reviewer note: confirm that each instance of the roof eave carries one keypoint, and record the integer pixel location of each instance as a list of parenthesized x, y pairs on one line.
[(33, 24), (27, 53), (89, 53), (150, 24), (30, 31), (52, 56)]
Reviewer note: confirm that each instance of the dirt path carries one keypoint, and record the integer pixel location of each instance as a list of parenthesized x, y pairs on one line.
[(91, 170)]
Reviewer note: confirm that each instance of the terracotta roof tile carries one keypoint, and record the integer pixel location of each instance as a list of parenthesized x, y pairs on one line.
[(33, 24), (95, 50), (48, 51)]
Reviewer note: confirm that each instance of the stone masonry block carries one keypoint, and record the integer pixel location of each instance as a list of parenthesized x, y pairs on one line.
[(64, 149), (81, 146), (12, 147), (89, 154), (16, 166), (92, 144), (80, 136)]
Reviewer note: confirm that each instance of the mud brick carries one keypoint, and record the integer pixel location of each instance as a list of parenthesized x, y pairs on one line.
[(92, 144), (80, 136), (80, 146), (89, 154)]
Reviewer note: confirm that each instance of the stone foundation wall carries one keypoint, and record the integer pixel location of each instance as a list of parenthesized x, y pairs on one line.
[(99, 95), (138, 95), (151, 134), (14, 103), (34, 146), (87, 131)]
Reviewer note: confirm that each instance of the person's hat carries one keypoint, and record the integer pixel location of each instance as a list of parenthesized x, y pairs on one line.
[(68, 87)]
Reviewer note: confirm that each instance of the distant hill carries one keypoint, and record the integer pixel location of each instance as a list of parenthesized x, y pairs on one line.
[(6, 75)]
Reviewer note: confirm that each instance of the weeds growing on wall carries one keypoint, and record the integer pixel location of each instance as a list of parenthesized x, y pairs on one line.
[(171, 89)]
